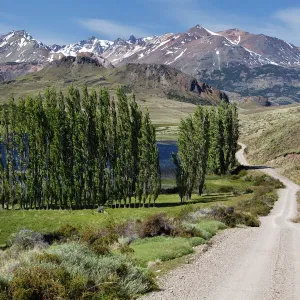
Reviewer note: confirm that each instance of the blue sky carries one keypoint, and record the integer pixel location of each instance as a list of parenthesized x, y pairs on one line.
[(67, 21)]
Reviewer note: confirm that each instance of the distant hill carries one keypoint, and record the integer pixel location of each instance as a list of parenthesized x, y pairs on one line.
[(145, 79), (273, 139), (277, 84)]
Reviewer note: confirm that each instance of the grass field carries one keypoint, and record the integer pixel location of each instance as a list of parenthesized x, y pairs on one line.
[(48, 221), (273, 138), (218, 189)]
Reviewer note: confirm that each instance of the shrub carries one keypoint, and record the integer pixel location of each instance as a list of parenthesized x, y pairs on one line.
[(198, 215), (27, 239), (125, 249), (235, 192), (187, 230), (225, 189), (156, 225), (128, 279), (106, 235), (186, 211), (37, 282), (4, 290), (48, 258), (248, 178), (242, 173), (231, 218), (248, 191), (79, 287), (68, 231), (267, 181), (196, 241), (100, 246)]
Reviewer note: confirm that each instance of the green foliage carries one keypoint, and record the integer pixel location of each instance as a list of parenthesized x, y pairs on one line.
[(207, 140), (38, 282), (67, 231), (128, 279), (77, 151), (196, 241)]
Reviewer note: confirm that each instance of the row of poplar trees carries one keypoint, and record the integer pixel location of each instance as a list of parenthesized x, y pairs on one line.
[(208, 141), (79, 150)]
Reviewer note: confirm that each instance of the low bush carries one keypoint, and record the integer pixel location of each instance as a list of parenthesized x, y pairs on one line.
[(38, 282), (267, 181), (260, 204), (4, 290), (68, 232), (231, 217), (101, 246), (204, 229), (128, 279), (73, 271), (128, 231), (242, 173), (196, 241), (156, 225), (225, 189), (126, 249), (248, 191), (27, 239)]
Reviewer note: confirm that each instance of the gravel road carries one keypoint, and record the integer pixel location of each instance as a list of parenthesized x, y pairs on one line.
[(245, 264)]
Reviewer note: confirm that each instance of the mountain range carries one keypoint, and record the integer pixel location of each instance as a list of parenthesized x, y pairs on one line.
[(233, 60)]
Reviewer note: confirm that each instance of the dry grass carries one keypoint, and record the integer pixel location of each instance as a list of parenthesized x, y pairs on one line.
[(273, 138)]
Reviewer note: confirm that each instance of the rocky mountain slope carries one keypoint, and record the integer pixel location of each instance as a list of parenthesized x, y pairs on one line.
[(196, 49), (277, 51), (200, 48), (233, 60), (277, 84), (19, 46), (145, 79), (9, 71)]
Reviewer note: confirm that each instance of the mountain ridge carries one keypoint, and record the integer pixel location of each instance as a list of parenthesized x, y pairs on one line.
[(145, 79), (210, 50), (233, 60)]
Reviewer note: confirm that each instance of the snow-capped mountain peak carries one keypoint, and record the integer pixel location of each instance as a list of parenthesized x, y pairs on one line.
[(91, 45), (197, 49), (20, 46)]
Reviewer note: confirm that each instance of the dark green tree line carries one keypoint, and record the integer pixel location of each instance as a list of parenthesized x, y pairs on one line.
[(207, 142), (78, 150)]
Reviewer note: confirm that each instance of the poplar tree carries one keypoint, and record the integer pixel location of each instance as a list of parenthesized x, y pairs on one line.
[(76, 151), (201, 141)]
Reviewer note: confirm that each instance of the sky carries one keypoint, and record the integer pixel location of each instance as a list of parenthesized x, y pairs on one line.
[(67, 21)]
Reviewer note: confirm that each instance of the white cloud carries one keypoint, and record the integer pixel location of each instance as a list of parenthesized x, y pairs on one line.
[(289, 16), (286, 25), (283, 24), (111, 29), (189, 13)]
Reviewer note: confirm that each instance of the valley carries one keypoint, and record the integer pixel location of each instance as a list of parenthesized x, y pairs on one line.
[(159, 166)]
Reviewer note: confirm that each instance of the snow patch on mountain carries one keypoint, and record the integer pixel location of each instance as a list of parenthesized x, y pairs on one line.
[(92, 45)]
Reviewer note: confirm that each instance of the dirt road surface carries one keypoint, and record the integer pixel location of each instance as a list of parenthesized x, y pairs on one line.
[(245, 264)]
